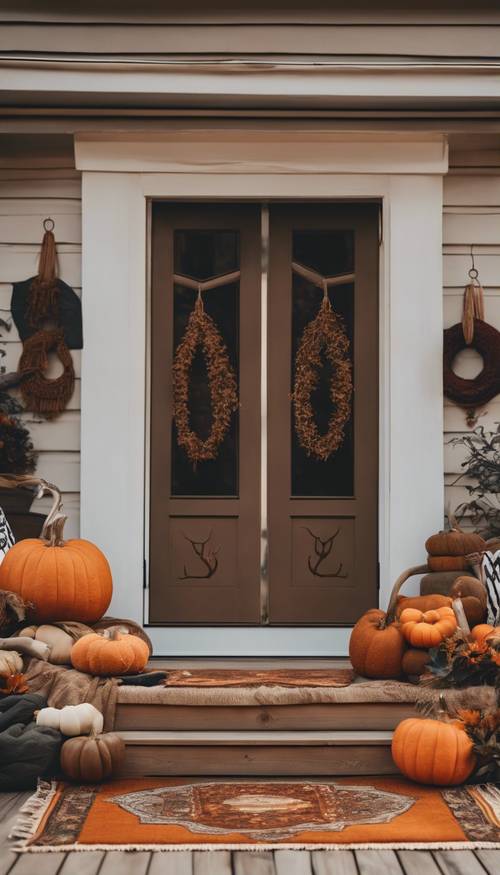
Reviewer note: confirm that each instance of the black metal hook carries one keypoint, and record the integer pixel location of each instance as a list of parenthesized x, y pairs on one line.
[(48, 224)]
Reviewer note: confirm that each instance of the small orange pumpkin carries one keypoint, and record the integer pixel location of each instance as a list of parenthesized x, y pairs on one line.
[(422, 602), (115, 652), (455, 542), (432, 751), (447, 563), (483, 631), (376, 646), (427, 629), (63, 580), (89, 759), (415, 661)]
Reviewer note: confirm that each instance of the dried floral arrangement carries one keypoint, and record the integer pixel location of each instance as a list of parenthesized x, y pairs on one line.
[(17, 454), (325, 332), (483, 466), (202, 331), (458, 662), (483, 729)]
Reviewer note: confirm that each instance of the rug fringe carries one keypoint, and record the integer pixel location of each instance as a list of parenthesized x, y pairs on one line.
[(265, 846), (31, 814)]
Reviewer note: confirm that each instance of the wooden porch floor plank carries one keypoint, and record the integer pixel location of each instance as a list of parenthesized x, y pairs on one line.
[(418, 862), (458, 863), (87, 863), (490, 859), (124, 863), (293, 863), (334, 863), (253, 863), (39, 864), (170, 863), (378, 862), (11, 803), (211, 863)]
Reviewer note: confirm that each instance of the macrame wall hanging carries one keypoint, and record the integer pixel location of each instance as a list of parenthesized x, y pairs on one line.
[(325, 333), (47, 314), (472, 333), (201, 331)]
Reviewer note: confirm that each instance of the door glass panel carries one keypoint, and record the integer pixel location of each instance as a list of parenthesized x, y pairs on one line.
[(201, 255), (328, 253)]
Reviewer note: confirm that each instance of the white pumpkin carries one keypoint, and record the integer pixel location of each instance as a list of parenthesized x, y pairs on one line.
[(11, 662), (57, 639), (72, 720)]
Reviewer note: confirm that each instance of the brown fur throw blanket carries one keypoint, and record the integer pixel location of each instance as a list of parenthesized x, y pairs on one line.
[(66, 686)]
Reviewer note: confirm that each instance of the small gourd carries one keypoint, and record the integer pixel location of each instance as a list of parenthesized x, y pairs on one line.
[(72, 719), (92, 759), (427, 629)]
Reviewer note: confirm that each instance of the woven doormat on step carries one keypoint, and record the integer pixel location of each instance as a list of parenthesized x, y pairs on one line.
[(177, 814), (286, 677)]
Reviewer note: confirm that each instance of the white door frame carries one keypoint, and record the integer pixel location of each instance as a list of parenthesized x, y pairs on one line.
[(120, 176)]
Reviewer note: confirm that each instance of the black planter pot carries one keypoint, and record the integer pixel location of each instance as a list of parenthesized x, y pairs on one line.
[(16, 500), (26, 525)]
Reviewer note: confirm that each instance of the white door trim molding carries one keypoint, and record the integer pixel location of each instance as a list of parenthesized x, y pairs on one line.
[(114, 375)]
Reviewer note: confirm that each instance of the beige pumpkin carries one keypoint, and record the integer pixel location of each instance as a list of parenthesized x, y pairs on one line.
[(57, 639), (72, 719), (92, 759), (11, 662)]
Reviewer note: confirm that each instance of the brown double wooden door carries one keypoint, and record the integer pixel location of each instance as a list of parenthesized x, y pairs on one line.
[(264, 414)]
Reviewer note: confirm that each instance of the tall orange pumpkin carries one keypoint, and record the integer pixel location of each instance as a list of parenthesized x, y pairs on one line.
[(432, 751), (376, 646), (64, 580)]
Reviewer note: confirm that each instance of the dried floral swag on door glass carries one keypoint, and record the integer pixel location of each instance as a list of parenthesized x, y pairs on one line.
[(201, 331), (326, 335)]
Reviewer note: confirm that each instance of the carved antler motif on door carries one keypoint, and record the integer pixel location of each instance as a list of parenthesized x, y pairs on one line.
[(206, 555), (322, 549)]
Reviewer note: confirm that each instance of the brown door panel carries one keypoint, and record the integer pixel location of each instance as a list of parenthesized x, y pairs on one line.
[(323, 547), (204, 518)]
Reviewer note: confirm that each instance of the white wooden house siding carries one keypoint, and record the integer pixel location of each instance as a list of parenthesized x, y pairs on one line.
[(28, 195), (471, 216)]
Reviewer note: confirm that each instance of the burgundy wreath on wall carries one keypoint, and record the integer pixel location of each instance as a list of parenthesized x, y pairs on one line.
[(483, 387)]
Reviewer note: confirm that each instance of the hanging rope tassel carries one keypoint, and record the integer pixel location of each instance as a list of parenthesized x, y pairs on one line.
[(43, 396), (473, 309), (43, 303)]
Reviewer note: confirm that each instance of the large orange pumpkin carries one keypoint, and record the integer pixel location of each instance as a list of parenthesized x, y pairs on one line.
[(115, 652), (427, 629), (433, 751), (376, 646), (64, 580)]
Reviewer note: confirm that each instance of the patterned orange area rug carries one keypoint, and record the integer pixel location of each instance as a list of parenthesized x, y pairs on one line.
[(228, 677), (176, 814)]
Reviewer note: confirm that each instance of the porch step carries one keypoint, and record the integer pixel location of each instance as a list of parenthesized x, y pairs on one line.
[(258, 753)]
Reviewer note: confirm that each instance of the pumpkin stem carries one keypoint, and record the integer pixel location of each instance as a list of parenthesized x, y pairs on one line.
[(12, 481), (453, 522), (112, 632), (393, 601), (54, 532)]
